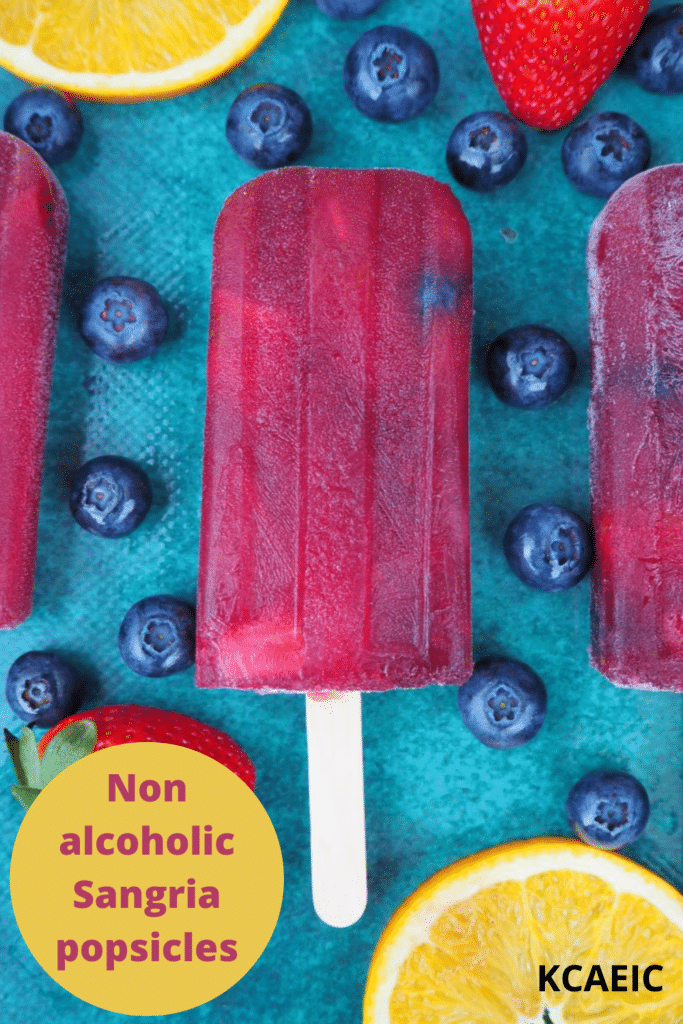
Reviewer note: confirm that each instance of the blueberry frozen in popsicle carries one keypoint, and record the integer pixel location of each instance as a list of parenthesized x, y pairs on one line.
[(33, 225), (635, 264), (334, 552)]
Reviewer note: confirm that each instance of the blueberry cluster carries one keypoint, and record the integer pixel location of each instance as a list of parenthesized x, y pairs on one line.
[(488, 149), (156, 639), (392, 74)]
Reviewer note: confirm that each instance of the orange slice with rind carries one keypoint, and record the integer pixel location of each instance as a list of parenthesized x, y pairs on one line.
[(468, 945), (125, 50)]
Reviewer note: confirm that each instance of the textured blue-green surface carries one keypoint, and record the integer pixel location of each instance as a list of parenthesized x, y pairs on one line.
[(144, 191)]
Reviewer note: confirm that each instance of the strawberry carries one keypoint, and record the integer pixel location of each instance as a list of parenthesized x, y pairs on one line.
[(548, 57), (78, 735)]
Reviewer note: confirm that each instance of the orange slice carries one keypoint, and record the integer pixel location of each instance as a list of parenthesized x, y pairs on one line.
[(467, 946), (130, 49)]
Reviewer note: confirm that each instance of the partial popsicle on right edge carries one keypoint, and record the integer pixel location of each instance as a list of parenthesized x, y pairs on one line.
[(635, 272)]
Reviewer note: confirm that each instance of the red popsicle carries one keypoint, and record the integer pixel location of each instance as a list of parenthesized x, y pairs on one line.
[(335, 533), (334, 551), (33, 225), (635, 263)]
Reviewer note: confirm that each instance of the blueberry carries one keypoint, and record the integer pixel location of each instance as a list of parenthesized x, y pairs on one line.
[(601, 153), (42, 688), (530, 366), (347, 10), (658, 51), (110, 496), (503, 702), (391, 74), (486, 150), (269, 125), (608, 809), (156, 637), (48, 121), (123, 319), (436, 291), (548, 547)]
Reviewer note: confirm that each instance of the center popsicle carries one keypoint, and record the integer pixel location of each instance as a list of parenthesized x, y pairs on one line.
[(334, 552)]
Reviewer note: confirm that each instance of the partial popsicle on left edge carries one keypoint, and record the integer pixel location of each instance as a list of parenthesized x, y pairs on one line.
[(33, 226)]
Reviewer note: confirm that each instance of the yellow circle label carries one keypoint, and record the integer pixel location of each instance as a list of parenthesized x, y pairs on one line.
[(146, 879)]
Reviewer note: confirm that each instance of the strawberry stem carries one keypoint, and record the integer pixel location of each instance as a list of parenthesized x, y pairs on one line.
[(75, 741)]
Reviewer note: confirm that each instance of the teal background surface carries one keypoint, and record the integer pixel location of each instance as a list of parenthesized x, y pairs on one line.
[(144, 191)]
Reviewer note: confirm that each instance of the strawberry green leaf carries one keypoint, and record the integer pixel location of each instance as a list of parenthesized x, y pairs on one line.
[(68, 746), (24, 753), (25, 795), (13, 747), (28, 755)]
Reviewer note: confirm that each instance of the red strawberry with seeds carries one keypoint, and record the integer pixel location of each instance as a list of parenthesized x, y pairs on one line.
[(78, 735), (548, 57)]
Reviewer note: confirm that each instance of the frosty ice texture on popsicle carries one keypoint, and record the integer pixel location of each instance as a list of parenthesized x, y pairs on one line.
[(334, 550), (635, 264), (33, 224)]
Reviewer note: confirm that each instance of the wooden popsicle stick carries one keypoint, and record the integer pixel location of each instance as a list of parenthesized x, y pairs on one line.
[(337, 806)]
